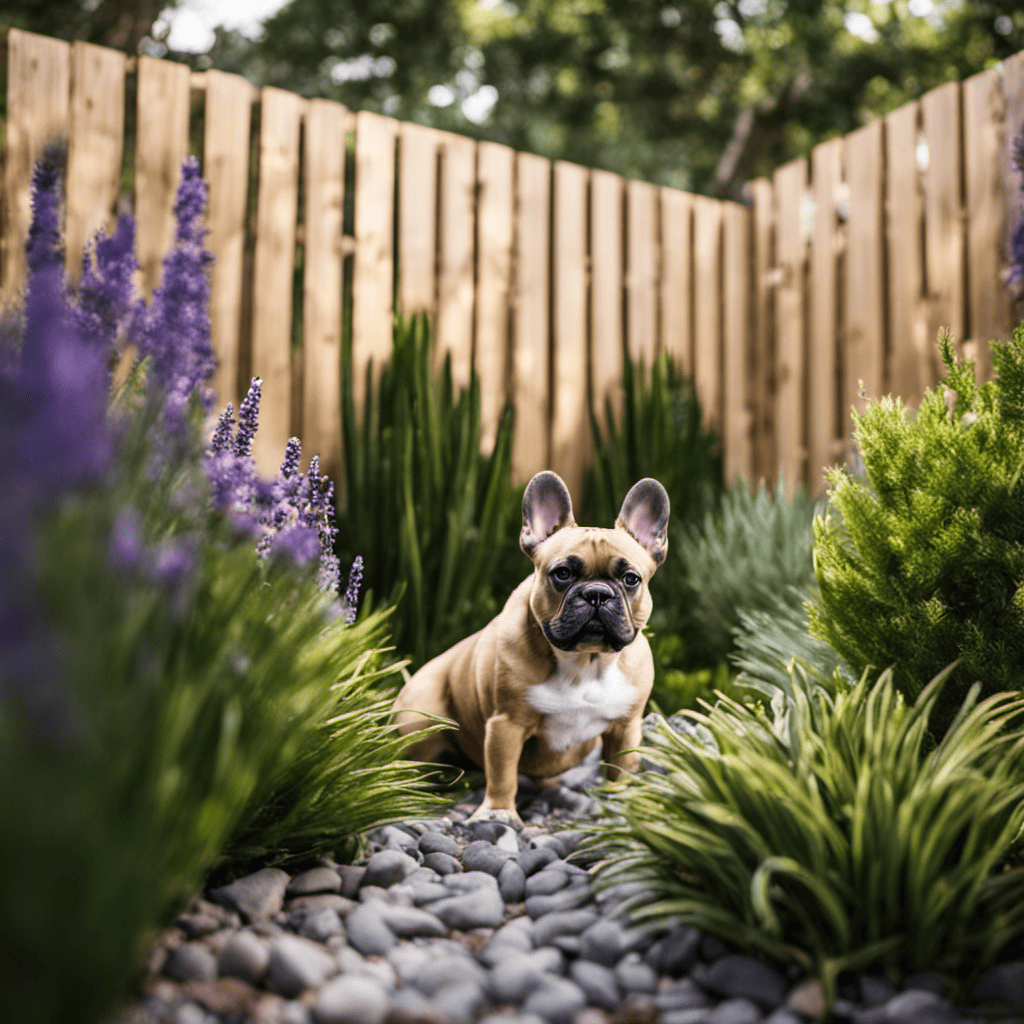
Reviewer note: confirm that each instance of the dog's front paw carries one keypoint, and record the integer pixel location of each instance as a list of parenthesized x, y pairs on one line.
[(506, 817)]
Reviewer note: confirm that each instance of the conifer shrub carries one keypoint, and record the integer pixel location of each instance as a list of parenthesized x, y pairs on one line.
[(927, 564)]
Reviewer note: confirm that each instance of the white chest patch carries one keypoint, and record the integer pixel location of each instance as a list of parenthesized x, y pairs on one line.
[(579, 704)]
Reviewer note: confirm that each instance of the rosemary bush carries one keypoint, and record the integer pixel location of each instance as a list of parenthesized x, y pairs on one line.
[(927, 564)]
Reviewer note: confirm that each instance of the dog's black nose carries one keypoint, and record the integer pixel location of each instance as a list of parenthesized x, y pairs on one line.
[(597, 594)]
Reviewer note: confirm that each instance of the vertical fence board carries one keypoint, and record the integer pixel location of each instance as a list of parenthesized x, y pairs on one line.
[(531, 353), (495, 238), (606, 290), (38, 87), (95, 148), (737, 420), (762, 354), (989, 306), (455, 256), (1013, 177), (373, 269), (417, 218), (864, 327), (944, 228), (911, 360), (823, 445), (274, 268), (707, 316), (790, 327), (642, 270), (570, 429), (161, 143), (324, 178), (227, 123), (677, 276)]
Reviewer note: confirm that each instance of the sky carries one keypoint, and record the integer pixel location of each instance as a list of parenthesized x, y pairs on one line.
[(192, 21)]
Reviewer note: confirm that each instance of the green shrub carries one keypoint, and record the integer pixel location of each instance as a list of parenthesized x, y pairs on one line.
[(835, 837), (435, 521), (927, 565)]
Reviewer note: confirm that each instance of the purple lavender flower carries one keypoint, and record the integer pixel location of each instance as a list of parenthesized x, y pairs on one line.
[(221, 440), (106, 294), (1017, 239), (248, 417), (355, 582), (297, 541), (43, 248)]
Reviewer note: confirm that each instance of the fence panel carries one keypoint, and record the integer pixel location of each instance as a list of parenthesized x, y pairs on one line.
[(707, 313), (1013, 176), (763, 354), (737, 420), (38, 86), (606, 288), (417, 218), (677, 276), (326, 126), (642, 270), (95, 146)]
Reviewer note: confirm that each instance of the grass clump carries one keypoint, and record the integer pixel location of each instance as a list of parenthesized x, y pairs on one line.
[(927, 564), (835, 836)]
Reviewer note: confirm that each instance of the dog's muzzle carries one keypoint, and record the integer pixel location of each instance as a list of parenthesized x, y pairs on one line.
[(593, 612)]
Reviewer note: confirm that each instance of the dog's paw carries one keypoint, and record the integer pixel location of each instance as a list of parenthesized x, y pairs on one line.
[(505, 817)]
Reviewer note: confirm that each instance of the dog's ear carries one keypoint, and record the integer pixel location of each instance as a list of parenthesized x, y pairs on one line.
[(547, 507), (644, 516)]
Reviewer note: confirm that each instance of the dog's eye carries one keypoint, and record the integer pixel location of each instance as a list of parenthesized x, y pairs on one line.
[(631, 580), (562, 573)]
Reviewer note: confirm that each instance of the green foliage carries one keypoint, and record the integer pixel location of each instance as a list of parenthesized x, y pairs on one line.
[(927, 565), (836, 837), (434, 520)]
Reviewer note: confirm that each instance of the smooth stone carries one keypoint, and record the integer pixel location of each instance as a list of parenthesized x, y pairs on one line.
[(448, 970), (470, 882), (546, 882), (191, 961), (598, 984), (606, 942), (512, 882), (568, 944), (367, 931), (388, 867), (438, 842), (712, 948), (550, 842), (459, 1002), (919, 1006), (302, 907), (395, 838), (514, 978), (1003, 983), (567, 922), (742, 977), (427, 892), (244, 956), (570, 839), (351, 876), (685, 994), (257, 896), (406, 922), (480, 908), (736, 1011), (585, 774), (697, 1015), (556, 1000), (408, 959), (195, 926), (408, 1003), (297, 964), (927, 981), (484, 830), (484, 856), (350, 961), (568, 899), (636, 976), (323, 925), (534, 858), (515, 934), (507, 840), (785, 1016), (808, 998), (512, 1018), (441, 862), (876, 991), (679, 951), (351, 999), (315, 880)]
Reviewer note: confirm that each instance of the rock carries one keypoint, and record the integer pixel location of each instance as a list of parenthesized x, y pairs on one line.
[(367, 931), (568, 944), (508, 840), (568, 899), (566, 922), (698, 1015), (191, 961), (459, 1002), (408, 921), (875, 991), (438, 842), (297, 964), (551, 842), (195, 926), (735, 1011), (514, 935), (350, 961), (512, 882), (512, 1018), (470, 882), (323, 925), (742, 977), (315, 880), (435, 974), (784, 1015), (408, 1003), (636, 976), (518, 974), (394, 837), (351, 999), (480, 908), (598, 984), (606, 942), (808, 998), (351, 876), (682, 995), (303, 906), (556, 1000), (485, 830), (712, 948), (919, 1006), (441, 862), (534, 858), (407, 959), (484, 856), (547, 881), (929, 982), (257, 896), (388, 867), (427, 892), (244, 956), (1002, 984), (679, 951)]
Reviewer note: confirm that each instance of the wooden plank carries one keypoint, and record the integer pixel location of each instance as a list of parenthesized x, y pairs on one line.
[(737, 413), (96, 146), (227, 124), (824, 445), (38, 88), (707, 320), (570, 425), (762, 352), (1013, 179), (455, 280), (790, 324), (417, 218), (373, 263), (912, 362), (326, 125), (531, 352), (495, 235), (642, 271), (864, 284), (161, 144), (677, 276), (944, 227), (606, 290), (274, 269), (989, 303)]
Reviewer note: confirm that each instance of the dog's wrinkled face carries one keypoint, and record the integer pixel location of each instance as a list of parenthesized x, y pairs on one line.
[(590, 591)]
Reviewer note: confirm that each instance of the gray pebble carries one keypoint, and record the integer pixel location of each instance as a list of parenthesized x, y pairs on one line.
[(484, 856), (395, 838), (1002, 984), (323, 925), (567, 922), (874, 991), (352, 962), (459, 1002), (536, 857), (697, 1015), (512, 1018), (742, 977), (598, 984), (304, 906), (512, 882), (735, 1011), (407, 959), (483, 829), (191, 961), (568, 899), (442, 863), (784, 1015), (406, 922), (547, 882), (557, 1001), (427, 892), (448, 970), (918, 1004), (351, 999), (568, 944), (507, 840), (297, 964), (606, 942), (351, 876), (438, 842), (515, 934), (480, 908), (244, 956), (517, 975), (256, 896), (388, 867), (679, 951), (411, 1003), (549, 842), (195, 926), (470, 882), (636, 976), (367, 931), (319, 879), (682, 995)]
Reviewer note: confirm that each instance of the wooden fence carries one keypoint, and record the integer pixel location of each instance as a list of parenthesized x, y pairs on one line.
[(832, 283)]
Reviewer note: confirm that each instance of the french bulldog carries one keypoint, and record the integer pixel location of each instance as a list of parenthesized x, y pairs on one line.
[(564, 665)]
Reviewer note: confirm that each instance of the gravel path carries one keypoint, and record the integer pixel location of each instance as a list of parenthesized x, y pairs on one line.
[(457, 922)]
